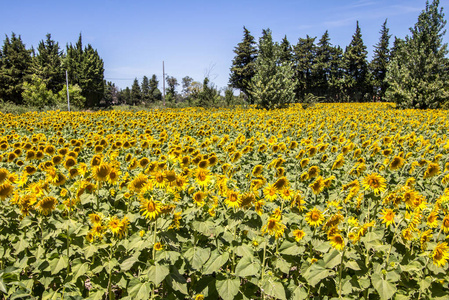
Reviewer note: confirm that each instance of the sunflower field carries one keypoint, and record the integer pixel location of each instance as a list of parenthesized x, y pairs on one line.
[(338, 201)]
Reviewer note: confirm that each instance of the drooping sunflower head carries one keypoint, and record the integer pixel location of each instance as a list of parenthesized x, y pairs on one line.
[(6, 190), (281, 183), (396, 163), (101, 172), (46, 205), (138, 183), (432, 170), (3, 175)]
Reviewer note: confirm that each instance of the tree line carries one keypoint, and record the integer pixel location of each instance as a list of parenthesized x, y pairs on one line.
[(413, 73)]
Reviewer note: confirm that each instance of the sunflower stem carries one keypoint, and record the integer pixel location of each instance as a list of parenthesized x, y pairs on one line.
[(392, 242), (340, 273), (263, 266)]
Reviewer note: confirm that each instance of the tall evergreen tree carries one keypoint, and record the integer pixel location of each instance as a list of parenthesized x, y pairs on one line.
[(356, 69), (47, 64), (86, 68), (304, 58), (336, 77), (145, 88), (273, 85), (322, 66), (136, 93), (15, 68), (172, 83), (418, 74), (111, 94), (156, 94), (286, 51), (380, 61), (243, 64)]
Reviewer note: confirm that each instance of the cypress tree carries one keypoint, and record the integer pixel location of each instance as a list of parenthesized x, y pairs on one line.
[(273, 85), (47, 64), (145, 90), (304, 57), (380, 61), (243, 64), (356, 68), (336, 77), (322, 66), (136, 93), (15, 68), (155, 93), (286, 51), (418, 74)]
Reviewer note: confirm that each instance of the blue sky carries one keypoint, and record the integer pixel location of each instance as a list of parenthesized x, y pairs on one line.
[(195, 38)]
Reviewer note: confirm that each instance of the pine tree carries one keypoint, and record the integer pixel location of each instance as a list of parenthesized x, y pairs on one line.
[(86, 68), (418, 74), (304, 57), (322, 66), (286, 51), (273, 85), (243, 64), (336, 77), (145, 88), (380, 61), (155, 93), (15, 69), (356, 69), (136, 93), (47, 64)]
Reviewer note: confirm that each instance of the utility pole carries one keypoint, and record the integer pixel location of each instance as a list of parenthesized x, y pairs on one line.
[(163, 81), (67, 85)]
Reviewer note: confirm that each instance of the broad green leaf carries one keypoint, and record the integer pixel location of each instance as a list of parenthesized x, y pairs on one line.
[(352, 265), (315, 273), (128, 263), (98, 295), (157, 273), (413, 266), (283, 265), (299, 293), (332, 259), (197, 256), (111, 264), (21, 245), (289, 248), (274, 289), (90, 250), (177, 281), (140, 291), (247, 266), (228, 288), (60, 264), (215, 262), (79, 270), (244, 250), (384, 288), (3, 286)]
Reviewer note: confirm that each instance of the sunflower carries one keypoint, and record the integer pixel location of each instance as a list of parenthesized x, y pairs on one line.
[(318, 185), (101, 172), (314, 217), (396, 163), (281, 183), (304, 162), (233, 199), (432, 170), (445, 224), (98, 230), (314, 171), (138, 183), (199, 197), (298, 234), (339, 162), (59, 179), (73, 172), (70, 162), (257, 170), (374, 182), (440, 254), (270, 192), (158, 179), (95, 218), (30, 170), (274, 227), (123, 227), (202, 177), (114, 225), (425, 237), (3, 175), (46, 205), (432, 219), (158, 246), (337, 242), (114, 174), (170, 176), (6, 190), (387, 216)]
